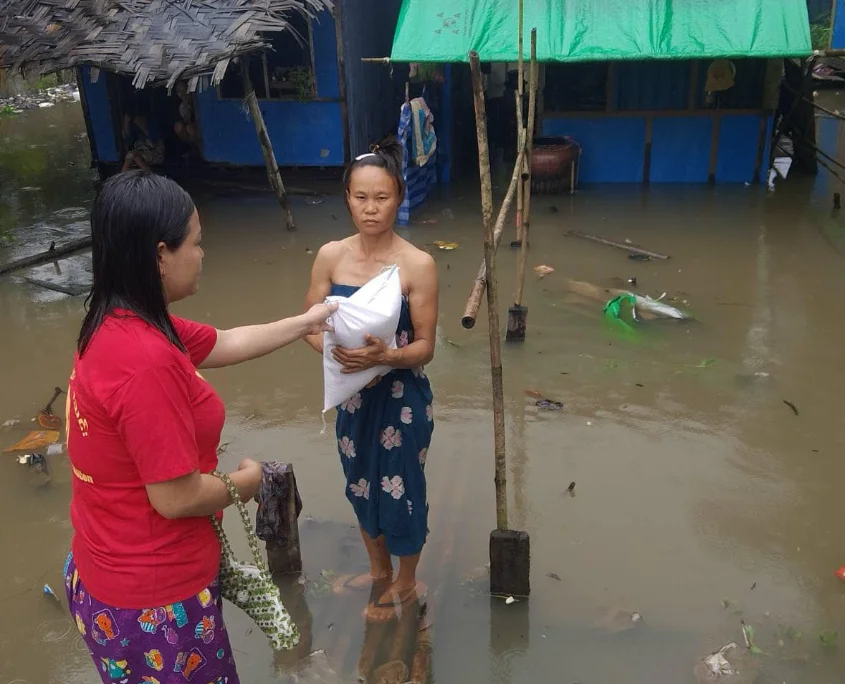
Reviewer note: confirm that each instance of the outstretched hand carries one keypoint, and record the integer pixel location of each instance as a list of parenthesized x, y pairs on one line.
[(317, 318), (356, 360)]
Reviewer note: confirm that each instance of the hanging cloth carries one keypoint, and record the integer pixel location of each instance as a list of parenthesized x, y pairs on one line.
[(425, 139)]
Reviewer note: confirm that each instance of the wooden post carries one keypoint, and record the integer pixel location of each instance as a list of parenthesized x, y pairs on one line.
[(284, 557), (518, 314), (273, 174), (509, 550)]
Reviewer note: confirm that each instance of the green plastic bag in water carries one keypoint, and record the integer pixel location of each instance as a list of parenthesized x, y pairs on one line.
[(613, 312)]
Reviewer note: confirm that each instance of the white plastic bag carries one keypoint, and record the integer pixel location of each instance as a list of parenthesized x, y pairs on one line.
[(372, 310)]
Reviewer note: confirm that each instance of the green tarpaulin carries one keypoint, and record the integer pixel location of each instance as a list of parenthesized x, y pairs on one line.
[(596, 30)]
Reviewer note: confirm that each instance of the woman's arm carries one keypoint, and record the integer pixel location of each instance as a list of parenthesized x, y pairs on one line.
[(423, 300), (321, 285), (198, 495), (252, 341)]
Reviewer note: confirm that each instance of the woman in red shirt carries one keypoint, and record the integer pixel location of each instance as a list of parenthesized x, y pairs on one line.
[(143, 431)]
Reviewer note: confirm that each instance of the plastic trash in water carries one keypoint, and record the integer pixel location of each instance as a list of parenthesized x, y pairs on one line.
[(613, 312), (48, 591), (56, 449)]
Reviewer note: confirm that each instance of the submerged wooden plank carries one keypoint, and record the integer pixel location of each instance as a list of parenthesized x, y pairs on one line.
[(52, 254)]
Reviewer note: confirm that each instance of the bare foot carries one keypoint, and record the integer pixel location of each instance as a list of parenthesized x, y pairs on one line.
[(346, 583), (393, 601)]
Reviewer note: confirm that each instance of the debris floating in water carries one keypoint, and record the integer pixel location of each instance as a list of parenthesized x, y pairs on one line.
[(571, 488), (554, 576), (48, 591), (543, 270), (792, 406), (509, 600), (35, 440)]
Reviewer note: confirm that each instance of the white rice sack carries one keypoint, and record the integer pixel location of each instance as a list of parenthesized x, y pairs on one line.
[(372, 310)]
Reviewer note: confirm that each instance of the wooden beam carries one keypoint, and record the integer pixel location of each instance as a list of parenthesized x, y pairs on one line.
[(649, 129), (692, 93), (273, 174), (761, 146), (714, 148), (610, 87), (341, 82)]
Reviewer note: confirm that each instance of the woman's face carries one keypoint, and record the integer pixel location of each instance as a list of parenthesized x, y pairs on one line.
[(180, 268), (373, 200)]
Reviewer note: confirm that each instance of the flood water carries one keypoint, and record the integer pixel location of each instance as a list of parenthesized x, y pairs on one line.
[(701, 498)]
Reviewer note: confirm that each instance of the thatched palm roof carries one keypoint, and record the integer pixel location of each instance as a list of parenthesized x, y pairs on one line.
[(153, 41)]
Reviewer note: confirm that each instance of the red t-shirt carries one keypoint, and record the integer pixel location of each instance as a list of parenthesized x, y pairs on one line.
[(139, 413)]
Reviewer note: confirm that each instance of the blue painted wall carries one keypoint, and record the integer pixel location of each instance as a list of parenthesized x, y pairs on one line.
[(613, 147), (308, 133), (738, 137), (102, 130), (838, 38), (680, 149), (614, 144)]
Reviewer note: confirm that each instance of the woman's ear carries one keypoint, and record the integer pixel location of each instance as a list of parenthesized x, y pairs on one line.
[(160, 252)]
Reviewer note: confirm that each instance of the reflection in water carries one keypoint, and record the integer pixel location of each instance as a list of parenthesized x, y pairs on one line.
[(694, 484)]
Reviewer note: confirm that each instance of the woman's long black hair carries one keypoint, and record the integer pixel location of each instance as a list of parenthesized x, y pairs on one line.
[(132, 214), (386, 155)]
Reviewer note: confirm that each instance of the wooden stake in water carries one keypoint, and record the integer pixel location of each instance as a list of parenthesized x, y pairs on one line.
[(492, 292), (518, 314), (273, 174), (509, 550)]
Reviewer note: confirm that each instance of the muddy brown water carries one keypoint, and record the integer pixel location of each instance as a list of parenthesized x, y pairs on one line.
[(701, 499)]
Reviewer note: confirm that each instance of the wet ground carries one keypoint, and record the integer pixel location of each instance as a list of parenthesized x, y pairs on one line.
[(701, 498)]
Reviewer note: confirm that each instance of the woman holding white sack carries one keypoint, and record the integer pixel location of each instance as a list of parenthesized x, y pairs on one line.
[(384, 430)]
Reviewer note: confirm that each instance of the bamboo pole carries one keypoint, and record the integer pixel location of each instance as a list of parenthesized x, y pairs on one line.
[(480, 283), (619, 245), (520, 100), (492, 293), (273, 174), (474, 301), (517, 314)]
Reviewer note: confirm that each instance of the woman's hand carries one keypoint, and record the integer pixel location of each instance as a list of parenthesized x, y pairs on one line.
[(355, 360), (248, 479), (317, 318)]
